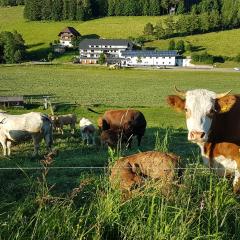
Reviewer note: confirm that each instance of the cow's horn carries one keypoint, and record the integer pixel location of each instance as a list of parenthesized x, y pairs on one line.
[(179, 92), (220, 95), (3, 120)]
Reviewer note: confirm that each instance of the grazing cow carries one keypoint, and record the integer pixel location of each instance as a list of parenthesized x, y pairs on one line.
[(87, 130), (130, 122), (61, 120), (224, 157), (15, 128), (212, 120), (130, 171)]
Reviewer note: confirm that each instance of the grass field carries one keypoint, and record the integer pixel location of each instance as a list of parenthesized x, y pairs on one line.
[(38, 35), (79, 204)]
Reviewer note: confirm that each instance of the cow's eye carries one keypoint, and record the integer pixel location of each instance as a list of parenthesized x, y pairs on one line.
[(211, 113)]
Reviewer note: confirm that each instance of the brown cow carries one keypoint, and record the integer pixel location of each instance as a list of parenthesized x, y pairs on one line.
[(130, 122), (129, 171), (61, 120), (213, 121), (113, 137), (224, 158)]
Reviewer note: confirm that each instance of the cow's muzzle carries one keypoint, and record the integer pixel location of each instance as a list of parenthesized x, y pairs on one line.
[(196, 136)]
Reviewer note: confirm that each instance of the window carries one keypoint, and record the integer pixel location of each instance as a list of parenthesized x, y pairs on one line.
[(92, 50)]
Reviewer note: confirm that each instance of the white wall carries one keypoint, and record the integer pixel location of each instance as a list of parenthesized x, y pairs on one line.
[(66, 43), (150, 61)]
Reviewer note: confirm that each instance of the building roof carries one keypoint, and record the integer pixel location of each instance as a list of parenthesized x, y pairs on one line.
[(11, 99), (71, 30), (84, 44), (150, 53)]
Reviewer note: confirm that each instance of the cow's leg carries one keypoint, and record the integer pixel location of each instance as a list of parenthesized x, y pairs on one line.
[(36, 142), (236, 181), (4, 145), (93, 139), (72, 128), (48, 141), (9, 143)]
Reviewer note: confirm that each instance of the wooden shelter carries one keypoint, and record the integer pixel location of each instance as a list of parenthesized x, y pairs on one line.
[(8, 101)]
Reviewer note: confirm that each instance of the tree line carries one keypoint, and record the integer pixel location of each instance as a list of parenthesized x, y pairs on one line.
[(11, 2), (12, 48), (58, 10), (197, 21)]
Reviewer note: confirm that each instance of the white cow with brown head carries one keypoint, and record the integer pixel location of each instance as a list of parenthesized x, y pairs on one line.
[(213, 122)]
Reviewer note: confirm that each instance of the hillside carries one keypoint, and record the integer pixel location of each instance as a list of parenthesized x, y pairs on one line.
[(38, 35)]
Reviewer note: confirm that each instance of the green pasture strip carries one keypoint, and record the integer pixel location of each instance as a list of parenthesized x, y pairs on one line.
[(101, 86)]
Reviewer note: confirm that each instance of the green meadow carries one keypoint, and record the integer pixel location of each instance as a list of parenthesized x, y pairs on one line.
[(76, 201)]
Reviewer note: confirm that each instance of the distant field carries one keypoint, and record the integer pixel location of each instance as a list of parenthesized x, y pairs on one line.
[(225, 43), (38, 35), (99, 85)]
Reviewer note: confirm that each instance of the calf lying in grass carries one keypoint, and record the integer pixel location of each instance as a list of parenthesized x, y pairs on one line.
[(224, 158), (131, 171)]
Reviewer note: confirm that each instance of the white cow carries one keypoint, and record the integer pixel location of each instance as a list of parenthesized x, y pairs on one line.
[(15, 128), (87, 130)]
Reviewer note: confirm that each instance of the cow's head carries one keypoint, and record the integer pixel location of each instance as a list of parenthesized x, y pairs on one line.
[(200, 106)]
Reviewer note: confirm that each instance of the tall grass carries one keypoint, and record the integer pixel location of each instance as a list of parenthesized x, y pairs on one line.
[(201, 207)]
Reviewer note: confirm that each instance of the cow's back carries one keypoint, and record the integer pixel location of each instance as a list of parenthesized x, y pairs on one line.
[(19, 126)]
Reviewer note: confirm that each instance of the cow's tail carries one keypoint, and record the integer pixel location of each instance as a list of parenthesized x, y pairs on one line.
[(91, 110)]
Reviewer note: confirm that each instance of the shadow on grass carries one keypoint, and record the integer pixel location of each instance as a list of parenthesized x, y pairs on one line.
[(73, 153), (38, 54)]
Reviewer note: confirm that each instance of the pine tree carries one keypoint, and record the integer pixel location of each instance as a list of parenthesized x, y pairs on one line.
[(180, 46), (180, 7), (146, 8), (46, 10), (57, 10), (119, 8), (111, 7), (171, 45), (148, 29), (32, 10), (72, 10), (169, 25), (204, 22), (65, 10), (159, 30), (154, 7)]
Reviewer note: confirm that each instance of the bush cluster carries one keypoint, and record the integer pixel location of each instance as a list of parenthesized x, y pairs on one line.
[(12, 48)]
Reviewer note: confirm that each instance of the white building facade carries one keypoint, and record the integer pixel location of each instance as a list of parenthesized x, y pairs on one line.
[(90, 50), (149, 58)]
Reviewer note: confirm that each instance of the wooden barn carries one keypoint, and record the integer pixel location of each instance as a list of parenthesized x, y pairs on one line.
[(8, 101)]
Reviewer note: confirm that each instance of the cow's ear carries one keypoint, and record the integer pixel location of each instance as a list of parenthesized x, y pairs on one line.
[(176, 102), (224, 104)]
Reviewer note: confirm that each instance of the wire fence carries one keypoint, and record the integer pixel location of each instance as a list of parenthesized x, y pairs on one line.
[(106, 168)]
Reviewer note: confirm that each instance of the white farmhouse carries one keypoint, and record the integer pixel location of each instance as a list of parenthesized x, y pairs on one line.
[(66, 36), (90, 50), (149, 58)]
